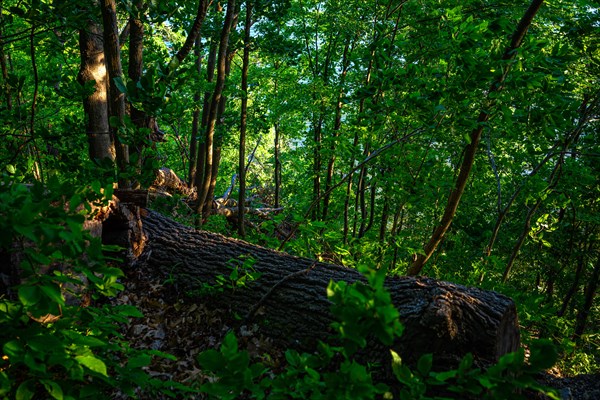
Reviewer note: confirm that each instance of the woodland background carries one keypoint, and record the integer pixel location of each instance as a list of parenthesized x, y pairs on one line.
[(422, 137)]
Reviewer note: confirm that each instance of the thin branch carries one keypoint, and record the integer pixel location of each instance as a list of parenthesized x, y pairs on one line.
[(360, 165)]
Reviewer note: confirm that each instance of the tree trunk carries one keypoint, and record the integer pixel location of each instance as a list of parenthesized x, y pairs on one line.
[(589, 294), (134, 72), (243, 121), (442, 318), (574, 286), (5, 86), (337, 125), (204, 190), (195, 118), (277, 162), (116, 102), (202, 148), (191, 38), (471, 148), (91, 46)]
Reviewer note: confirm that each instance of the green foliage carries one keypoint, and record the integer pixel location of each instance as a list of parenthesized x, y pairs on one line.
[(364, 310), (242, 273), (336, 81), (236, 375), (335, 372), (51, 345)]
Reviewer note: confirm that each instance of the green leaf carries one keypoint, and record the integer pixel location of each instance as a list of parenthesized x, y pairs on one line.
[(229, 347), (465, 363), (29, 295), (82, 340), (25, 391), (53, 389), (53, 292), (543, 355), (44, 343), (25, 229), (5, 384), (139, 361), (13, 349), (11, 169), (120, 84), (424, 364), (32, 363), (96, 187), (162, 354), (444, 376), (211, 360), (115, 122), (128, 311), (92, 363)]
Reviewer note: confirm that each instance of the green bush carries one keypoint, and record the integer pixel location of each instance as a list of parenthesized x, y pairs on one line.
[(51, 345), (365, 310)]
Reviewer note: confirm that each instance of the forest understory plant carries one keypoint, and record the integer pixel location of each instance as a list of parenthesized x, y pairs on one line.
[(60, 338), (364, 312)]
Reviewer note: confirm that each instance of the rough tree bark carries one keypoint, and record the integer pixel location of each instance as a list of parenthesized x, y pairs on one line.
[(442, 318), (116, 99), (243, 121), (92, 68), (204, 189)]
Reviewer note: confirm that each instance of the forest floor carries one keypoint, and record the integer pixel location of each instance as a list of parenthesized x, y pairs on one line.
[(176, 325), (579, 387)]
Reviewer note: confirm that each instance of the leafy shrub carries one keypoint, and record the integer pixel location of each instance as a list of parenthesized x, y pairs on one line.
[(51, 345), (363, 310)]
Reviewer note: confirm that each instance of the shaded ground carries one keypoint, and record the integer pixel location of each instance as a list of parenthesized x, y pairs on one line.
[(175, 325), (580, 387)]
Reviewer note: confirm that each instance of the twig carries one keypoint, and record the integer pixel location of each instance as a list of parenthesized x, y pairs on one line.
[(286, 278)]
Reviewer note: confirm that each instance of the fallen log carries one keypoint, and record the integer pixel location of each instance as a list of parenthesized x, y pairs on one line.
[(442, 318), (167, 178)]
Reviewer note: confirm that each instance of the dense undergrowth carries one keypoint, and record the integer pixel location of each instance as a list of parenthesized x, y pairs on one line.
[(61, 340)]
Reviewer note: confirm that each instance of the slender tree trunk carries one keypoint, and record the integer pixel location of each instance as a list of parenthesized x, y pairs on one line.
[(191, 38), (520, 240), (101, 143), (361, 204), (317, 137), (336, 129), (563, 145), (589, 294), (385, 215), (202, 148), (371, 207), (276, 144), (220, 123), (361, 109), (277, 162), (216, 99), (552, 182), (347, 197), (116, 102), (195, 118), (6, 86), (397, 226), (134, 72), (471, 149), (243, 121), (573, 289), (33, 148)]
